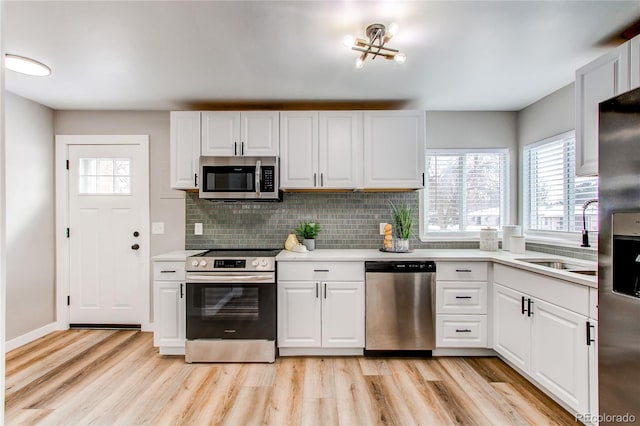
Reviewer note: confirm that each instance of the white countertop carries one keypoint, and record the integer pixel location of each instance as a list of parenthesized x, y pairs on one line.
[(502, 257), (176, 256)]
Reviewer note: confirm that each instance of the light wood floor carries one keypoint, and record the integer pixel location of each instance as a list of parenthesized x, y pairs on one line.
[(116, 377)]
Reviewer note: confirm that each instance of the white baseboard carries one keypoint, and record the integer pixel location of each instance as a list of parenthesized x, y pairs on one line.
[(30, 336)]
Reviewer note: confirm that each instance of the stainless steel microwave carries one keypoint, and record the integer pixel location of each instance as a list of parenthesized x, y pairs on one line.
[(240, 178)]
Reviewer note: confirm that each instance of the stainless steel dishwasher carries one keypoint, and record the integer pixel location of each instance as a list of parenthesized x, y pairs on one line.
[(400, 306)]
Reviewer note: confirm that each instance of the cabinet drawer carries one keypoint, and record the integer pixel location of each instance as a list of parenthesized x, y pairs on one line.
[(321, 271), (169, 271), (461, 331), (454, 297), (461, 271)]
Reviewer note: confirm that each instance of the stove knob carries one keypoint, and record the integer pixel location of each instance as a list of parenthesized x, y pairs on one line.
[(255, 262), (203, 263), (264, 262), (194, 263)]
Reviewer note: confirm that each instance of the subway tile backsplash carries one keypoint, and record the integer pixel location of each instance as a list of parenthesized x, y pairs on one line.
[(347, 219)]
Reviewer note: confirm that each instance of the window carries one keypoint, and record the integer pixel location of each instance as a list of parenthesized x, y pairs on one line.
[(107, 176), (466, 190), (554, 195)]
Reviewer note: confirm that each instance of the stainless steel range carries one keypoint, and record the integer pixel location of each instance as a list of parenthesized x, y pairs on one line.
[(231, 306)]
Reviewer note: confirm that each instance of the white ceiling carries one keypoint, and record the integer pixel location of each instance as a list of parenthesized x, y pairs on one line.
[(166, 55)]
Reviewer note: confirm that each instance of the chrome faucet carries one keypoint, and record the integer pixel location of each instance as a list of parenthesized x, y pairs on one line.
[(585, 233)]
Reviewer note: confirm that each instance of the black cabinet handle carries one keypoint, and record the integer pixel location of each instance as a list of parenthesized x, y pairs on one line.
[(314, 179), (463, 330), (325, 290), (317, 294), (522, 305), (167, 272), (589, 339), (463, 297), (181, 292), (235, 148), (320, 270), (135, 247), (242, 148), (321, 179), (463, 270), (529, 304)]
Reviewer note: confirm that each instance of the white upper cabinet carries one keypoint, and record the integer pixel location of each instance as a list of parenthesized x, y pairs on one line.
[(321, 150), (340, 149), (233, 133), (394, 144), (299, 147), (634, 45), (597, 81), (185, 149)]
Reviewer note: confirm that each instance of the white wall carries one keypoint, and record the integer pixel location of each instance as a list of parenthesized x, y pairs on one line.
[(30, 257), (478, 129), (550, 116)]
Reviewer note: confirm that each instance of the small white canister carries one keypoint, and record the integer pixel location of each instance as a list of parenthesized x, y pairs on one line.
[(509, 231), (517, 244), (489, 239)]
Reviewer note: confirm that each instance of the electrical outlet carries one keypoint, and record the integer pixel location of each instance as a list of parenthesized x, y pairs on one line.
[(157, 228), (197, 229), (382, 225)]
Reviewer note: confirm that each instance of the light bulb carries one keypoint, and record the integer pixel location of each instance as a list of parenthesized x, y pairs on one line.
[(359, 63), (393, 29), (349, 41), (400, 58), (26, 65)]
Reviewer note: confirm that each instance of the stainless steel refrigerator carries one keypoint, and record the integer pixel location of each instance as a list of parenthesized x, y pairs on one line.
[(619, 259)]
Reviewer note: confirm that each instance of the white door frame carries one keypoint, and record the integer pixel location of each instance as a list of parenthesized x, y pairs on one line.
[(62, 218)]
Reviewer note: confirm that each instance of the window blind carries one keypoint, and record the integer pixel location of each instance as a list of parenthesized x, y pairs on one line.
[(554, 194), (465, 190)]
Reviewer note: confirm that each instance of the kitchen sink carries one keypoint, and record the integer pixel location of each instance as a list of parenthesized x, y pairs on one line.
[(562, 265)]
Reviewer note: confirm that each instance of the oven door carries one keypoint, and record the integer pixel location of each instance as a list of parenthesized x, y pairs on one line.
[(231, 310)]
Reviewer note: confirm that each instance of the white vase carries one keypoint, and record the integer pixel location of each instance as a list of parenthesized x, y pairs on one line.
[(309, 243), (402, 244)]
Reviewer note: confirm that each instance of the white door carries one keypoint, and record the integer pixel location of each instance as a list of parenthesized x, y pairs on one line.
[(299, 153), (299, 314), (340, 149), (560, 354), (260, 133), (108, 257), (343, 315), (511, 328), (220, 133)]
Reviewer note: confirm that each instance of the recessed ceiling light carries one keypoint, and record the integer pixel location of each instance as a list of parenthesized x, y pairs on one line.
[(26, 65)]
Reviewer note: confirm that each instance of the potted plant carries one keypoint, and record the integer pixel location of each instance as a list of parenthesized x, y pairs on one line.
[(308, 232), (403, 219)]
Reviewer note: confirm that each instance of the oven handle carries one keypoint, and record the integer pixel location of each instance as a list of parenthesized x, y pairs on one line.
[(269, 278)]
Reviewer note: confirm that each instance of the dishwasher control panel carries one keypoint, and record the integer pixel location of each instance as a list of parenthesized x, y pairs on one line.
[(401, 266)]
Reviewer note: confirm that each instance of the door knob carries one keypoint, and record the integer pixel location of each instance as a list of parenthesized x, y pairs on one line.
[(135, 247), (136, 234)]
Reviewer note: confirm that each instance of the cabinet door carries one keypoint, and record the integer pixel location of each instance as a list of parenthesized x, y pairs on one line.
[(341, 149), (593, 369), (559, 353), (259, 133), (600, 80), (511, 328), (185, 148), (221, 133), (169, 314), (343, 314), (394, 143), (299, 314), (299, 150), (635, 62)]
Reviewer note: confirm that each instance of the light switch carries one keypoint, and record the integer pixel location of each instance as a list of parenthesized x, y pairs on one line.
[(197, 229), (382, 225), (157, 227)]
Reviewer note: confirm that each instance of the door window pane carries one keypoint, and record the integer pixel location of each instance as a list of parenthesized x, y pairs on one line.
[(107, 176)]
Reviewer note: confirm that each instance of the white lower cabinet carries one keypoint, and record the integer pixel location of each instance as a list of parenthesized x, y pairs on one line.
[(321, 313), (545, 341), (461, 305), (169, 307)]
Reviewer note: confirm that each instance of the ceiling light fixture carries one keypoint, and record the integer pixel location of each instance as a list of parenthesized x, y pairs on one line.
[(378, 36), (26, 66)]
